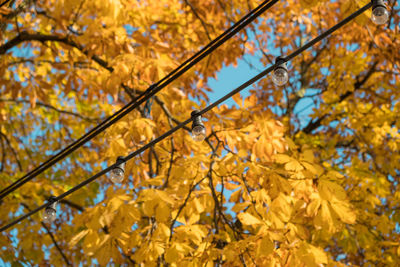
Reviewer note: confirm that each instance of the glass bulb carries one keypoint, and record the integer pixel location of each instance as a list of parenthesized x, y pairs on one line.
[(199, 133), (49, 215), (117, 175), (280, 76), (380, 15)]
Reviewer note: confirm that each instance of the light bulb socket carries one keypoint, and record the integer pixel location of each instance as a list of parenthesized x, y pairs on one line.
[(378, 3), (196, 119), (52, 203), (280, 63), (121, 163)]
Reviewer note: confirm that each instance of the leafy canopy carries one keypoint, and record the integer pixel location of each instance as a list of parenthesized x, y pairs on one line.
[(304, 174)]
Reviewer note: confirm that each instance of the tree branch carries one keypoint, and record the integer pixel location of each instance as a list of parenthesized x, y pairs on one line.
[(171, 161), (50, 107), (12, 150), (25, 36), (72, 204), (3, 155), (78, 64), (168, 113), (198, 16), (183, 205), (312, 125)]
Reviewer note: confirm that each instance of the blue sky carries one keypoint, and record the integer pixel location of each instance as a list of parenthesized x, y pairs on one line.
[(231, 77)]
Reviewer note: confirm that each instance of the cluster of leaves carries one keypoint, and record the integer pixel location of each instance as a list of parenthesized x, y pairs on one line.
[(274, 183)]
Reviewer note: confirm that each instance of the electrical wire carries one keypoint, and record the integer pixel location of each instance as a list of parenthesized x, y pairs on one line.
[(182, 124), (5, 2), (147, 94)]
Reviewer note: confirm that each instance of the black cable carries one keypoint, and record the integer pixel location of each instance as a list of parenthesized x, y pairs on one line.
[(5, 2), (182, 124), (328, 32), (152, 90)]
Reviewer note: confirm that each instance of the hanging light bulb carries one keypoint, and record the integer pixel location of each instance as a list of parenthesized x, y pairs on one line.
[(280, 75), (117, 174), (198, 129), (50, 213), (380, 14)]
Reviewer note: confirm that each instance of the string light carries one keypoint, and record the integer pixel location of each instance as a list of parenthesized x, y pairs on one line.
[(50, 213), (280, 75), (380, 14), (198, 129), (144, 96), (196, 118), (118, 173)]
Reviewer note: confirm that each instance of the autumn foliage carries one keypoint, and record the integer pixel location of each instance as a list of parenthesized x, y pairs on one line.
[(302, 175)]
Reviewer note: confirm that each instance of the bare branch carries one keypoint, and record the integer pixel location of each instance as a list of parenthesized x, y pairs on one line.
[(183, 205)]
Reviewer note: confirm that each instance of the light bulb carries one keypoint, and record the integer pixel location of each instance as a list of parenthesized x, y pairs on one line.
[(380, 15), (198, 129), (49, 215), (117, 175), (199, 133), (280, 76)]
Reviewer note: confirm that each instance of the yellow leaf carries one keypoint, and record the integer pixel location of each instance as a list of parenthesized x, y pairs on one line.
[(114, 204), (319, 255), (116, 146), (343, 210), (291, 145), (310, 167), (282, 158), (198, 206), (193, 218), (281, 208), (248, 219), (324, 219), (172, 255), (164, 229), (265, 247), (162, 212), (165, 197), (149, 207), (311, 255), (91, 242), (240, 206), (308, 155), (389, 243), (197, 233), (330, 190), (313, 207), (77, 238), (308, 3), (157, 248), (104, 254), (238, 100), (293, 165), (242, 153)]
